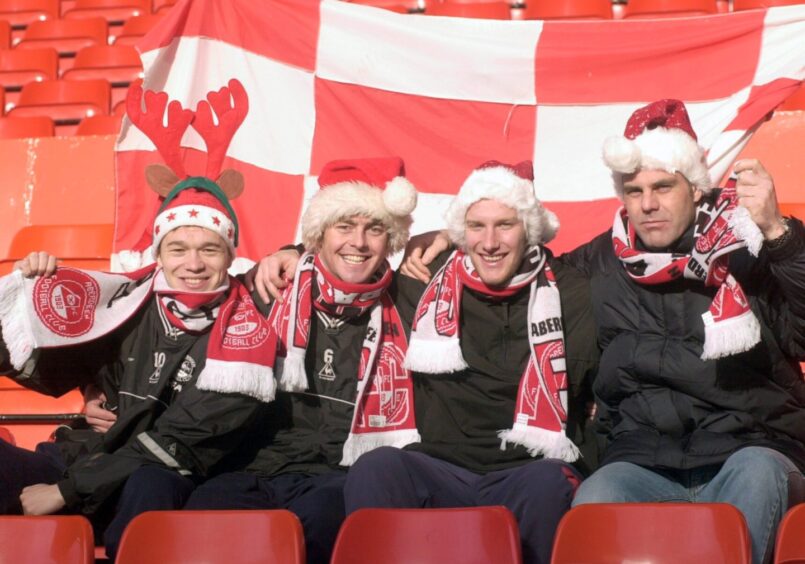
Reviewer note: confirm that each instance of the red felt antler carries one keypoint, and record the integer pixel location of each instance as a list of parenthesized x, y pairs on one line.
[(230, 104), (166, 138)]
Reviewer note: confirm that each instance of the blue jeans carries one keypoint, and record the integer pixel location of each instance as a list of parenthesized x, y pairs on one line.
[(758, 481)]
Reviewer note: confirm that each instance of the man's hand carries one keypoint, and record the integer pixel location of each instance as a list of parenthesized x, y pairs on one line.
[(98, 418), (36, 264), (272, 274), (41, 499), (420, 251), (755, 189)]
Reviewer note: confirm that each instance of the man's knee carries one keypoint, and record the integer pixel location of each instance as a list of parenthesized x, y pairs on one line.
[(382, 460), (610, 484)]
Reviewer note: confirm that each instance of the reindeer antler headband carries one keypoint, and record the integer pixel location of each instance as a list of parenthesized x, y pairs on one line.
[(230, 105)]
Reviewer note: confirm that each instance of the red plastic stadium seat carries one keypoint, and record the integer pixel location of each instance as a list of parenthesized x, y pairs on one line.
[(7, 436), (668, 8), (81, 246), (185, 537), (5, 34), (32, 416), (21, 13), (119, 64), (738, 5), (57, 539), (99, 125), (790, 547), (428, 536), (115, 12), (715, 533), (19, 67), (67, 102), (22, 127), (66, 36), (479, 10), (566, 9), (135, 28)]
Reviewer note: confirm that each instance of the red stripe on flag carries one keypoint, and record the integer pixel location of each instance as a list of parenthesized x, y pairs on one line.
[(756, 108), (267, 210), (627, 61), (581, 221), (440, 140), (284, 30)]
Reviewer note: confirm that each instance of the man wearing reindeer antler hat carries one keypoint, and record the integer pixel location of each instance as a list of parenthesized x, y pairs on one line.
[(162, 343)]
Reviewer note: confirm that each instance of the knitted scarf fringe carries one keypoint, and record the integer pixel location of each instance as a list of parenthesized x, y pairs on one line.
[(729, 336), (17, 332), (253, 380), (291, 370), (538, 441), (434, 358), (361, 443)]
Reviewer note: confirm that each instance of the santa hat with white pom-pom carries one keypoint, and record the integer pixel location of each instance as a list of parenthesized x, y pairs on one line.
[(658, 136), (374, 187)]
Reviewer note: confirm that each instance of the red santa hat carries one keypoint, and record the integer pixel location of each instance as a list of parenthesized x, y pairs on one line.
[(375, 188), (511, 185), (198, 202), (658, 136)]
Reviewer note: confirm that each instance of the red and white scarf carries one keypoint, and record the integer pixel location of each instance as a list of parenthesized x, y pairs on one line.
[(384, 408), (76, 306), (541, 410), (730, 327)]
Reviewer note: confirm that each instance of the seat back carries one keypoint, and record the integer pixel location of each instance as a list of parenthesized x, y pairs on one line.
[(793, 209), (428, 536), (790, 546), (21, 13), (5, 34), (115, 12), (66, 36), (18, 67), (668, 8), (23, 127), (100, 125), (567, 9), (135, 28), (477, 10), (185, 537), (33, 417), (67, 102), (80, 246), (652, 532), (58, 539)]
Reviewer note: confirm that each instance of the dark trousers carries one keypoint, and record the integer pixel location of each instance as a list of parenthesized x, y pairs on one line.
[(149, 488), (538, 493), (318, 501), (20, 468)]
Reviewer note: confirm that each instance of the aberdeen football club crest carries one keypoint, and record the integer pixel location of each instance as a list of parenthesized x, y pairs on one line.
[(248, 329), (65, 302)]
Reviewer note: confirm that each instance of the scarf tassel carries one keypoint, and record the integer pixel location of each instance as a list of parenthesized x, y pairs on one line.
[(17, 332), (358, 444), (291, 369), (538, 441), (432, 357), (245, 378), (729, 336)]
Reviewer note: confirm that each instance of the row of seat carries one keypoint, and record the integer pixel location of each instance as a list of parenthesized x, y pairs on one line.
[(21, 13), (596, 533), (570, 9)]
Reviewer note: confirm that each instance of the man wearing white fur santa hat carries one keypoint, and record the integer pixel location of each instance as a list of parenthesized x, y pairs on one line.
[(342, 387), (492, 354), (699, 294)]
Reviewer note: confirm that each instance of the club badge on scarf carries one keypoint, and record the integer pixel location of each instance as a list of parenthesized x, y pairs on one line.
[(730, 327), (541, 408), (75, 306), (384, 409)]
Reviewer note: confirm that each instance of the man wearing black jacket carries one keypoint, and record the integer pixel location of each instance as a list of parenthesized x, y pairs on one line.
[(699, 297)]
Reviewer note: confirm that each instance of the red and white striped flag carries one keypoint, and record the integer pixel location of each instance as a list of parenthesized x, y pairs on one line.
[(332, 80)]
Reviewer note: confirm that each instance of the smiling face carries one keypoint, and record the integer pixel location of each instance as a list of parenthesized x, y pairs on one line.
[(495, 241), (354, 248), (194, 259), (661, 206)]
